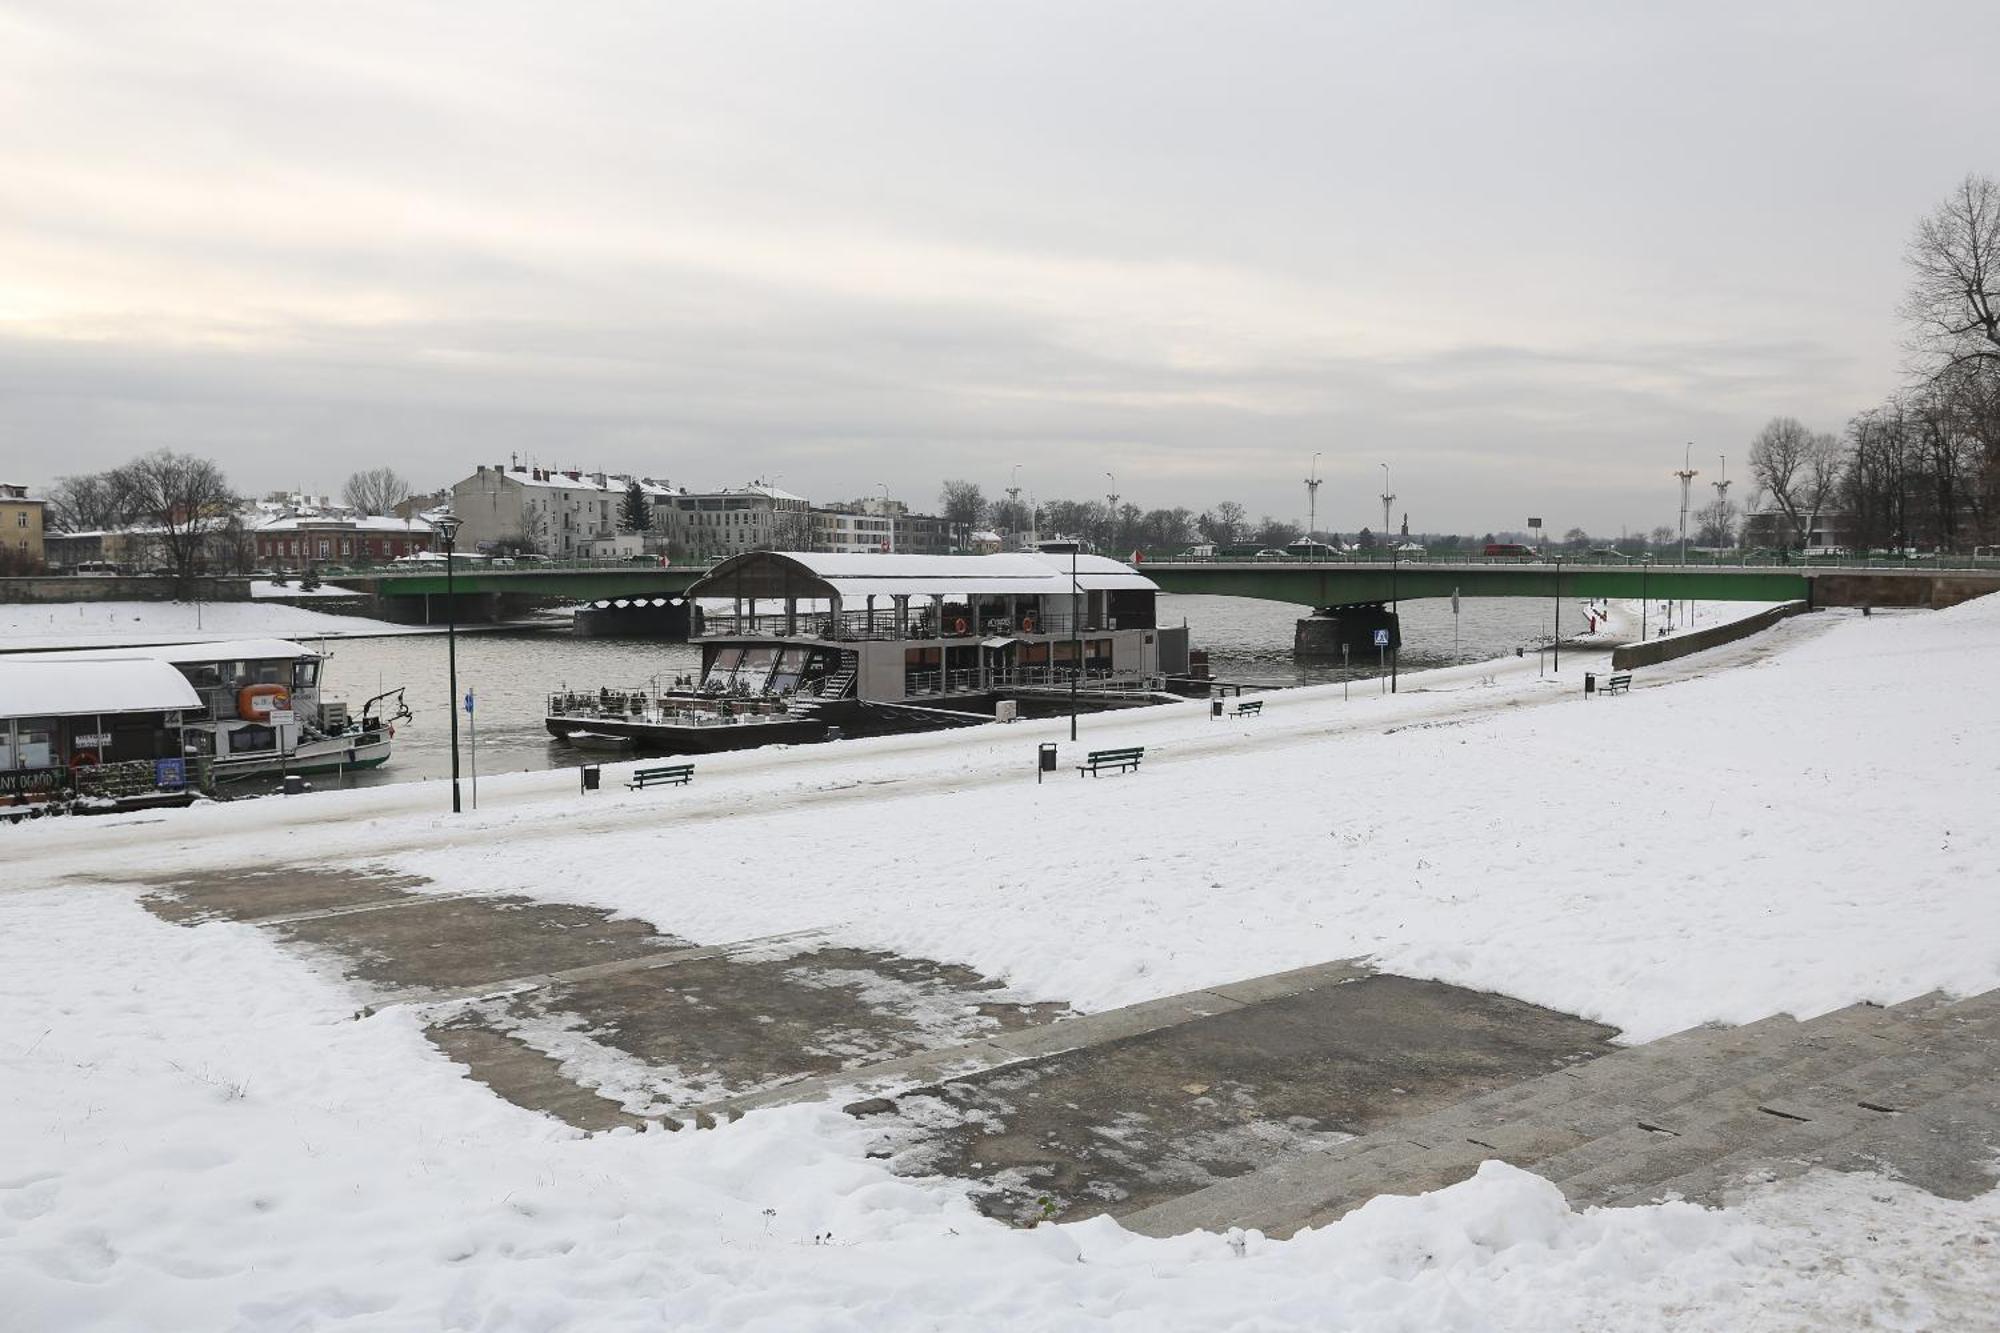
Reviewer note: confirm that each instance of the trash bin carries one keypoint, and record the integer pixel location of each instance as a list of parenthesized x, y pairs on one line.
[(294, 785), (1589, 683), (1215, 708), (588, 776), (1045, 761)]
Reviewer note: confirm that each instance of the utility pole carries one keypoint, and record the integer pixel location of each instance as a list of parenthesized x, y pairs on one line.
[(1312, 498), (1687, 474), (1014, 495), (1721, 501), (1388, 501), (1111, 511)]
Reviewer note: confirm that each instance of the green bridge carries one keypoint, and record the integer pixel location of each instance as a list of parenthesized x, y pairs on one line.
[(1310, 583)]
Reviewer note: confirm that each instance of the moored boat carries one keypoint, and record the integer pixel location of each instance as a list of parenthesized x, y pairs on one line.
[(261, 711), (871, 643)]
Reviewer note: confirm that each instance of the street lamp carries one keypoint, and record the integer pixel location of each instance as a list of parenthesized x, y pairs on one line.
[(447, 525), (887, 517), (1395, 618), (1312, 498), (1075, 633), (1556, 644)]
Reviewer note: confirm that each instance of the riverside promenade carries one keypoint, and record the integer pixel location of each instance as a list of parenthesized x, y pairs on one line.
[(1694, 941)]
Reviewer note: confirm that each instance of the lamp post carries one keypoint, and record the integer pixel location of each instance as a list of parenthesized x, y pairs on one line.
[(1395, 619), (1556, 644), (1312, 498), (447, 525), (1075, 634)]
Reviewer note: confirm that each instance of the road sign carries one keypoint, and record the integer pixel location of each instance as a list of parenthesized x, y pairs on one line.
[(1381, 638), (1535, 523), (468, 703), (170, 774)]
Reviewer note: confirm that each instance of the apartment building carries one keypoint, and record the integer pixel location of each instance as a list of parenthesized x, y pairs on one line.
[(21, 522)]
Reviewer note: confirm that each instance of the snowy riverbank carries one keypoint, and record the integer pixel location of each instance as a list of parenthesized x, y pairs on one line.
[(198, 1133), (129, 624)]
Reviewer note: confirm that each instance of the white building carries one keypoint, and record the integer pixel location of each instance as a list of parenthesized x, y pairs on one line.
[(710, 525), (567, 515)]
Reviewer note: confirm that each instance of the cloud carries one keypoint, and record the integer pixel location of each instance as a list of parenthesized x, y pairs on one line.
[(1517, 257)]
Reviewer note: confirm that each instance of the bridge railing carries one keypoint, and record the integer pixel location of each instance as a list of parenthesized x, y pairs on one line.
[(1595, 560)]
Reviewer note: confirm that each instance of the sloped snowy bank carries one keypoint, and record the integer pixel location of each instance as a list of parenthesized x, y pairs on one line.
[(196, 1132)]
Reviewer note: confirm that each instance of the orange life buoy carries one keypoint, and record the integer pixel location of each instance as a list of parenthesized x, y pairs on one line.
[(84, 759), (958, 626), (256, 703), (1027, 624)]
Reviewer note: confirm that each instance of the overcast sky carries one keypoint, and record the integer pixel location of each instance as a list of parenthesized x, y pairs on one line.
[(1522, 253)]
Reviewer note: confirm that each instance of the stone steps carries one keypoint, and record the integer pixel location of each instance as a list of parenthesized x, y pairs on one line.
[(1912, 1087)]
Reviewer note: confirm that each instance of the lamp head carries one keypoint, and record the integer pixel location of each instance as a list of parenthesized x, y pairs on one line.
[(447, 525)]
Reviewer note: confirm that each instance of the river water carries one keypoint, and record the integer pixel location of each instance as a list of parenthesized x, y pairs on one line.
[(510, 671)]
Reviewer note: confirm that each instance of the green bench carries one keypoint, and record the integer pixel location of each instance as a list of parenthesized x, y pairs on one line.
[(1120, 759), (1248, 708), (661, 775), (1619, 684)]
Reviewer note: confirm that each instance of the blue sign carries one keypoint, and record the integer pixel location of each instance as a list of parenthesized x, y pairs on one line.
[(170, 774), (1381, 638), (468, 703)]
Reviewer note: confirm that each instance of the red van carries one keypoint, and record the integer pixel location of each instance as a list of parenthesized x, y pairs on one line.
[(1514, 549)]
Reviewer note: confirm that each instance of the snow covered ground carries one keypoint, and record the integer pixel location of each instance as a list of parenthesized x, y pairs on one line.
[(197, 1133), (89, 624)]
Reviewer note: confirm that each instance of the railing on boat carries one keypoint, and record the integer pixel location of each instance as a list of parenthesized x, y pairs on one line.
[(857, 626)]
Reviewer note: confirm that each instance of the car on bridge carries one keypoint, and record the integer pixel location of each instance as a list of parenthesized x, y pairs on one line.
[(1513, 549)]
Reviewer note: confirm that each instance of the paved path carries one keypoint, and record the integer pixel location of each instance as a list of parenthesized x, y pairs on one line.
[(1912, 1091)]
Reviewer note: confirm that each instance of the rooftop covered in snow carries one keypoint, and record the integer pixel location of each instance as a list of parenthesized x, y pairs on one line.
[(852, 578), (36, 686), (220, 650)]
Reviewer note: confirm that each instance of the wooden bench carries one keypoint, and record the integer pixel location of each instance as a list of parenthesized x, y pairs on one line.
[(1619, 684), (1103, 759), (661, 775), (1248, 708)]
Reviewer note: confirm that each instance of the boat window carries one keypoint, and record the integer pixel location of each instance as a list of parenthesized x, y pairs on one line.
[(249, 740), (6, 746), (35, 742), (267, 673), (305, 674), (203, 673)]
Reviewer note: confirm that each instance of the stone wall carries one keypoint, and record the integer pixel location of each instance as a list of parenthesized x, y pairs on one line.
[(1655, 651), (1900, 588), (118, 588)]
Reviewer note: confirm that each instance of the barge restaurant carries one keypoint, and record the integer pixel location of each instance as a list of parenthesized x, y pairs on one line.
[(107, 731), (888, 628)]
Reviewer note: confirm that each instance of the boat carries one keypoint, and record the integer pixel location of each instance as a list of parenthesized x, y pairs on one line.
[(262, 712), (868, 643)]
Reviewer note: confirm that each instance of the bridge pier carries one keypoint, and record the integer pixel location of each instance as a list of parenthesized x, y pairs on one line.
[(1323, 634), (674, 618), (472, 608)]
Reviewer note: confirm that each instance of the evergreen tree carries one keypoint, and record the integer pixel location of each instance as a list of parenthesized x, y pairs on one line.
[(635, 512)]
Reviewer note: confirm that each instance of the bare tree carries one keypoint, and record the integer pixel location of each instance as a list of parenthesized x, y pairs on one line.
[(962, 503), (1275, 532), (1953, 305), (1800, 469), (1226, 524), (186, 499), (93, 501), (376, 491), (1717, 524)]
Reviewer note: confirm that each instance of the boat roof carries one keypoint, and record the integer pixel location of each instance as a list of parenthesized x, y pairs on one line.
[(218, 650), (855, 576), (33, 686)]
